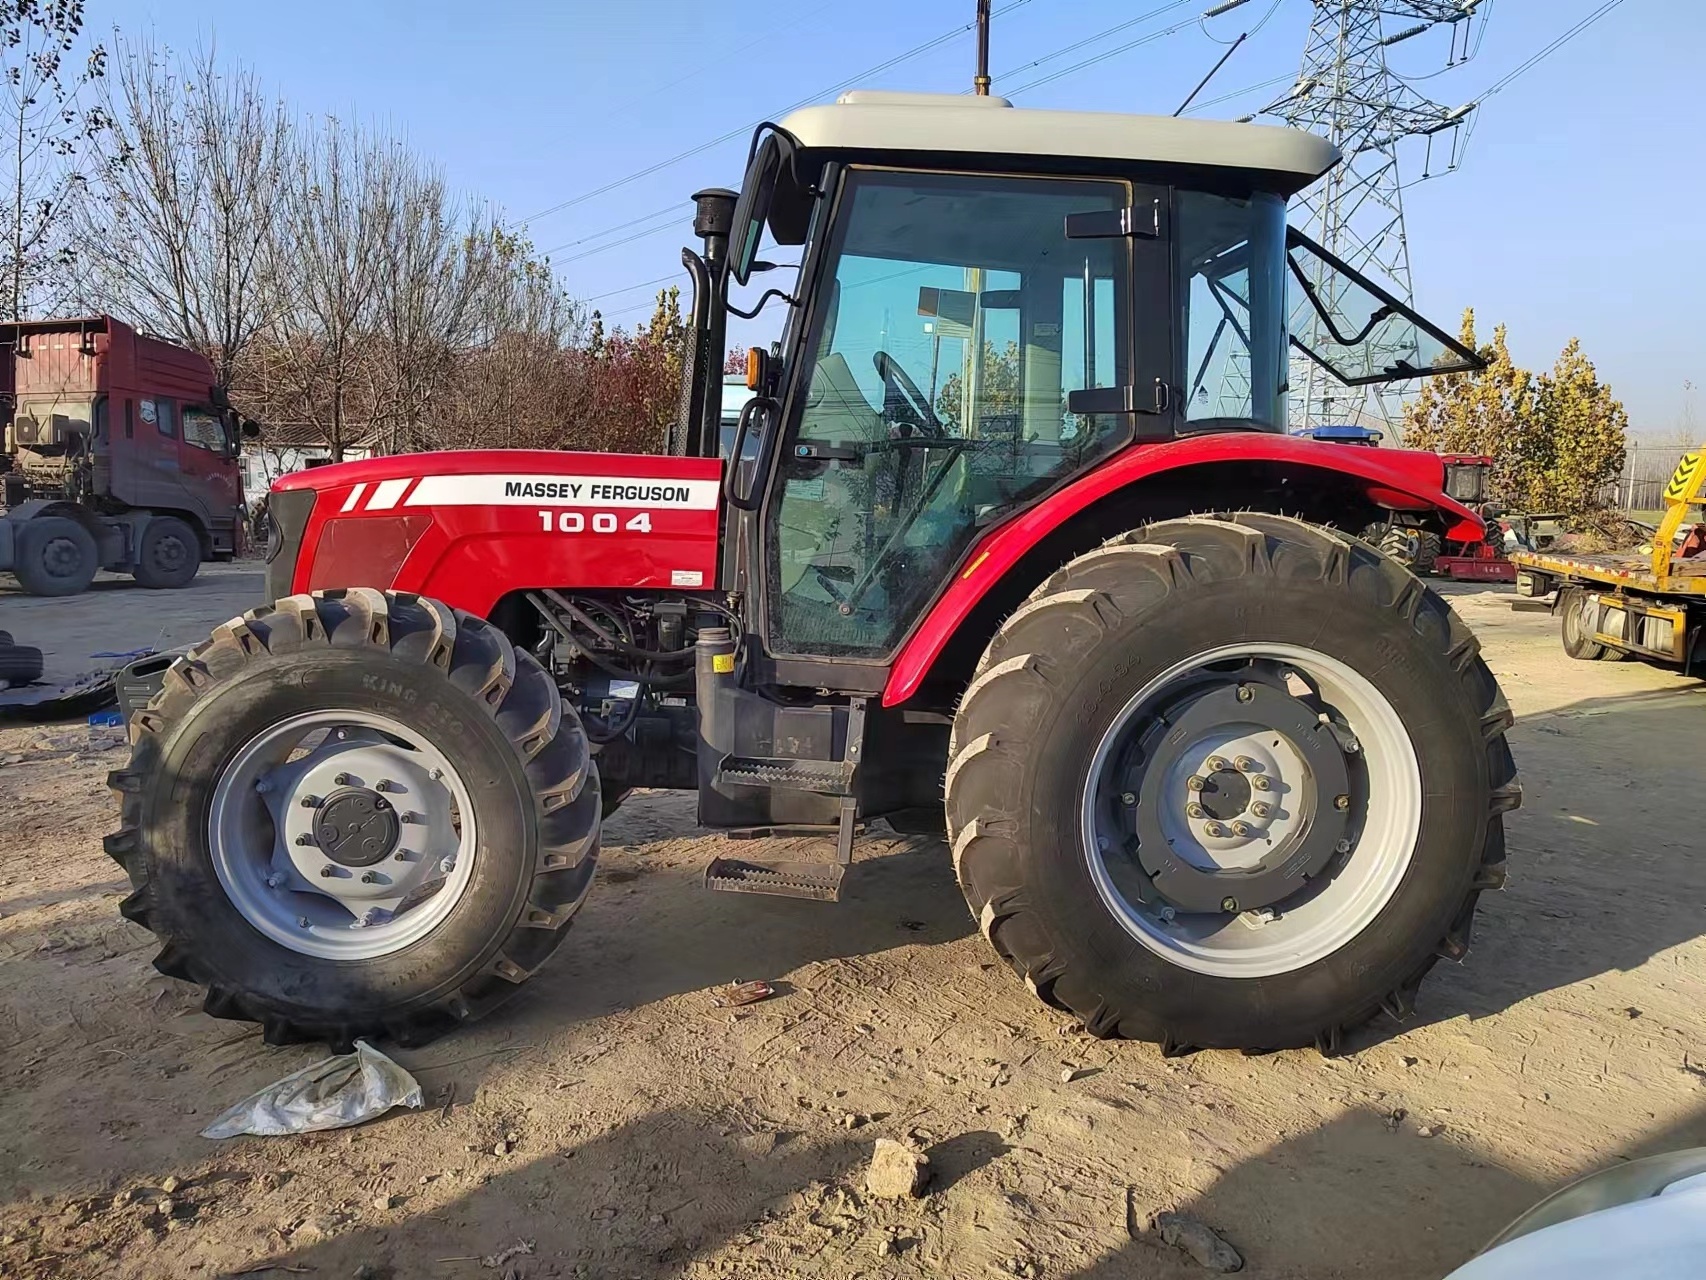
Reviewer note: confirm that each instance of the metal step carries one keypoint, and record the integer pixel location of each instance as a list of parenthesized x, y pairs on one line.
[(819, 880), (826, 777)]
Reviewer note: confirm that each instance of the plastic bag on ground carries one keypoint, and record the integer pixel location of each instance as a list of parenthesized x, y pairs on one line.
[(344, 1090)]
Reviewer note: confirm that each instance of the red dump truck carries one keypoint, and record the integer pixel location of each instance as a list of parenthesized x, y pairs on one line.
[(120, 453)]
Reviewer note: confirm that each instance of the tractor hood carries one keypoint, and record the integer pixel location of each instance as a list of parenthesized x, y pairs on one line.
[(470, 527)]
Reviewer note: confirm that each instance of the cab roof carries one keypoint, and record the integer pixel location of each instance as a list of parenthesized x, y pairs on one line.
[(938, 123)]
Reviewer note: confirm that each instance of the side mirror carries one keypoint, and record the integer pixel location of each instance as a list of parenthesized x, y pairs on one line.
[(251, 429)]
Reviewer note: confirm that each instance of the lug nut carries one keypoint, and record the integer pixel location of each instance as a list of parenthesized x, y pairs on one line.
[(1242, 829), (410, 817), (310, 802), (273, 881), (327, 871), (1343, 846), (436, 775), (446, 866), (1352, 746), (1127, 797), (370, 877), (1246, 693), (1195, 783), (1261, 810), (1165, 914), (402, 855), (262, 786), (302, 922), (1244, 764), (1216, 764), (344, 780), (1341, 803), (1195, 810), (304, 839), (385, 784), (380, 802), (1214, 829), (1229, 905), (1261, 782)]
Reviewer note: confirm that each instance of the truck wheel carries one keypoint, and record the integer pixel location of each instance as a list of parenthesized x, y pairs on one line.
[(55, 556), (1578, 636), (1230, 782), (356, 813), (169, 555)]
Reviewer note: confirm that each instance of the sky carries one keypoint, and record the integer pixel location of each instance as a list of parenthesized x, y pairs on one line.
[(1576, 210)]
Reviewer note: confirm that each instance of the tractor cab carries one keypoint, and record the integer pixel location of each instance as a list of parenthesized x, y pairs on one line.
[(990, 303)]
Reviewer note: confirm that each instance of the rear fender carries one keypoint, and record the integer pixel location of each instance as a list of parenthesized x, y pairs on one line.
[(1394, 479)]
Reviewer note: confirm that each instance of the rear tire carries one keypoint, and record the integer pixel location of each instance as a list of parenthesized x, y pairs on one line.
[(56, 556), (1062, 671), (1578, 639), (169, 555), (487, 713)]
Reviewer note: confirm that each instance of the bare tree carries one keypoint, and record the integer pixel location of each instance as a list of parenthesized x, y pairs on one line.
[(187, 193), (338, 202), (438, 264), (45, 122)]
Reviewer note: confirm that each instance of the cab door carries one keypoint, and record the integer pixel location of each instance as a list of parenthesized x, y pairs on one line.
[(977, 341)]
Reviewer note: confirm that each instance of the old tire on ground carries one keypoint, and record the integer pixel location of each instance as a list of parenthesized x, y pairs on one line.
[(356, 814), (19, 663), (169, 554), (1200, 652), (55, 556)]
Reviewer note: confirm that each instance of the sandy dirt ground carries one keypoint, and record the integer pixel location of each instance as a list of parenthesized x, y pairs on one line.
[(613, 1122)]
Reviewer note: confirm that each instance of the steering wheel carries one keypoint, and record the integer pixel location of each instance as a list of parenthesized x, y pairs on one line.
[(902, 400)]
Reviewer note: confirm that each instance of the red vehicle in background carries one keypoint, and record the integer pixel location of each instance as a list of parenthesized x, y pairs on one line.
[(120, 453)]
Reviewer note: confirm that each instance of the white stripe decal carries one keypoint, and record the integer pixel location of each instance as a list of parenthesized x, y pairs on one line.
[(387, 492), (354, 496), (656, 493)]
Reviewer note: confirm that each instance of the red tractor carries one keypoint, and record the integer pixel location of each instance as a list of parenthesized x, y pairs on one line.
[(1010, 544)]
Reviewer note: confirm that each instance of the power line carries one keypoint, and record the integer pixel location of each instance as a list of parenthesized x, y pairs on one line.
[(744, 129), (644, 284), (625, 225), (1100, 57), (1552, 48), (1091, 39)]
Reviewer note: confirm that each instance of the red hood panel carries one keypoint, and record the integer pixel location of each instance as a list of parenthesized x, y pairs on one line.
[(471, 527)]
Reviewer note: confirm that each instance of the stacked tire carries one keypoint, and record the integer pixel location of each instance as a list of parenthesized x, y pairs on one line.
[(19, 663)]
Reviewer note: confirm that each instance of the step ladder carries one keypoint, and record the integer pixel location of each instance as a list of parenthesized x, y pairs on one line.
[(796, 879)]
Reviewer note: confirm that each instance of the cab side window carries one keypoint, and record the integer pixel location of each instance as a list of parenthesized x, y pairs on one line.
[(159, 414), (203, 429)]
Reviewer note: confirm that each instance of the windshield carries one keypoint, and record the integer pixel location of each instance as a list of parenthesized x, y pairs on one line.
[(1232, 263)]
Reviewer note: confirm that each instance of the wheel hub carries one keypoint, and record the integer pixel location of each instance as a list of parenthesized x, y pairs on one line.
[(1206, 762), (60, 557), (355, 827), (342, 834)]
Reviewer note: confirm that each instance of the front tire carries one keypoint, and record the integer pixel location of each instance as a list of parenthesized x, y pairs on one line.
[(1087, 864), (356, 813), (56, 556)]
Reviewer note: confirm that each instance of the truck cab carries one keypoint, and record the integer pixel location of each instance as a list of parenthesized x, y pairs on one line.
[(120, 453)]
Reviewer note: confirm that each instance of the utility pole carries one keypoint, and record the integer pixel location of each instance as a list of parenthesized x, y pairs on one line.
[(1346, 93)]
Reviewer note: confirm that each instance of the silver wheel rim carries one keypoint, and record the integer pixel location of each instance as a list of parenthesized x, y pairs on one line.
[(336, 899), (1377, 826)]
